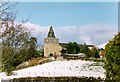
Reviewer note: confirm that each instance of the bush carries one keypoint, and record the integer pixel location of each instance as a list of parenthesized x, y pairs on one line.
[(112, 63)]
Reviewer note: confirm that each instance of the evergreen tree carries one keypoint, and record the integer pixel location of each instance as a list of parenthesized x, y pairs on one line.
[(31, 51), (73, 48), (84, 49), (94, 52), (97, 54), (112, 63), (63, 52)]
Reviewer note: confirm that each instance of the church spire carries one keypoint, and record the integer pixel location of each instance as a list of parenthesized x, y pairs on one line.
[(51, 32)]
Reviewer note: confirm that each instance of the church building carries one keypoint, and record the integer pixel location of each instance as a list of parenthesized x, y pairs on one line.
[(52, 45)]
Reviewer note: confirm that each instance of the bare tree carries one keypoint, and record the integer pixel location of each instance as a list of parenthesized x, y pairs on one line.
[(14, 37)]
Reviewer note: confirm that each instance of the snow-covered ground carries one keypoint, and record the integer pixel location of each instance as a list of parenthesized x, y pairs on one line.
[(102, 45), (61, 68)]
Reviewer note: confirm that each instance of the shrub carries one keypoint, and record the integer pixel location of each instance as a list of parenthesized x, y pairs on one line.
[(112, 63)]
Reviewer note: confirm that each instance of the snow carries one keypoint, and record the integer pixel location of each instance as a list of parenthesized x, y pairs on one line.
[(61, 68), (102, 45)]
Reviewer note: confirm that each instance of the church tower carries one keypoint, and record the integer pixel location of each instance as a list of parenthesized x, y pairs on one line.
[(51, 44)]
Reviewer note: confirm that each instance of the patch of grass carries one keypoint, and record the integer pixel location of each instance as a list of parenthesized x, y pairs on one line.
[(97, 64), (33, 62)]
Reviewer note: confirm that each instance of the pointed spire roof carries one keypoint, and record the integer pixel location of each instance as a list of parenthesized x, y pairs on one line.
[(51, 32)]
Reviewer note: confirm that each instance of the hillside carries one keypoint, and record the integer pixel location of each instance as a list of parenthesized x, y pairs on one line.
[(78, 68)]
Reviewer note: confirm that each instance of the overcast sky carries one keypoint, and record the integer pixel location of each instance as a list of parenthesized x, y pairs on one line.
[(83, 22)]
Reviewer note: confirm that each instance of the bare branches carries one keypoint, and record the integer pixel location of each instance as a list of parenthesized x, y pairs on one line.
[(5, 7), (16, 41)]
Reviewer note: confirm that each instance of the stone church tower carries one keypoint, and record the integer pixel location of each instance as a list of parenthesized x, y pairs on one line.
[(51, 44)]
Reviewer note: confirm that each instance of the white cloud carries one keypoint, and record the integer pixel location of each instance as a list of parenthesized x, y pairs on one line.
[(90, 34)]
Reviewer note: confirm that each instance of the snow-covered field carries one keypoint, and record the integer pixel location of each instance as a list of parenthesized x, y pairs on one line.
[(61, 68)]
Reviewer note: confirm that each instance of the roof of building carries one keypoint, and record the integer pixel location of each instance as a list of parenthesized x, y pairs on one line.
[(64, 45), (51, 32), (90, 45)]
